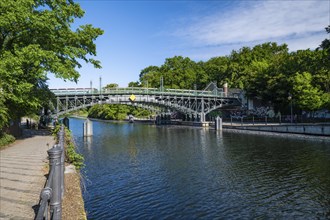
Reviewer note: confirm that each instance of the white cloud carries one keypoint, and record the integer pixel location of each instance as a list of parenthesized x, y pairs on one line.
[(300, 23), (305, 42)]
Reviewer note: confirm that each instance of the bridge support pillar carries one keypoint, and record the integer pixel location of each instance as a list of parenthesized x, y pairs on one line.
[(195, 117), (202, 117), (88, 128), (218, 124), (157, 121), (188, 118)]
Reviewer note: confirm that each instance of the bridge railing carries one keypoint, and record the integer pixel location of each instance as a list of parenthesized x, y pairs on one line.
[(50, 206), (146, 91)]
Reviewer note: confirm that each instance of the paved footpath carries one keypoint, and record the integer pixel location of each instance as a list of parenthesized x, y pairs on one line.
[(22, 169)]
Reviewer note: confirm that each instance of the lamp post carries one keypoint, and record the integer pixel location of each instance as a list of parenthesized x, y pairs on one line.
[(290, 99), (161, 84), (100, 85)]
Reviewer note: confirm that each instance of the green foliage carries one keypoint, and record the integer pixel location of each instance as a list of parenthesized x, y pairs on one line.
[(3, 113), (111, 85), (134, 84), (177, 72), (116, 112), (217, 70), (267, 71), (325, 45), (306, 96), (326, 99), (80, 113), (6, 139), (71, 155), (36, 38)]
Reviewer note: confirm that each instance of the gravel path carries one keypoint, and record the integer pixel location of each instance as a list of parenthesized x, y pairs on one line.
[(22, 168)]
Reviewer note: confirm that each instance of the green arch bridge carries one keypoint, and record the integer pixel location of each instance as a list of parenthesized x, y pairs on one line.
[(160, 100)]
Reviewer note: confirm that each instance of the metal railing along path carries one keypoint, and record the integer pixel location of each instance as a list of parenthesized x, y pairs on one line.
[(50, 206)]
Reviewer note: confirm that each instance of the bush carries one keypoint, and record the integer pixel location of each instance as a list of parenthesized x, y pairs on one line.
[(71, 155), (6, 139)]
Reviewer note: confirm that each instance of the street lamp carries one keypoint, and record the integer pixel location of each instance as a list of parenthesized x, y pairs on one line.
[(290, 99), (161, 83), (100, 85)]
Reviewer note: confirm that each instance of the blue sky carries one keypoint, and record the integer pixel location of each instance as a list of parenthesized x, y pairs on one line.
[(138, 34)]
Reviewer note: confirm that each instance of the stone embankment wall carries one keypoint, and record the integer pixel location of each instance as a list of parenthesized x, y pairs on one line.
[(315, 129)]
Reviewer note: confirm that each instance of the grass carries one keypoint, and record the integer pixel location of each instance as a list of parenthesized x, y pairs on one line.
[(6, 139)]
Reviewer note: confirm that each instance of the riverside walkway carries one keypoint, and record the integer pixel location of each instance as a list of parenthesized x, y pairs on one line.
[(22, 169)]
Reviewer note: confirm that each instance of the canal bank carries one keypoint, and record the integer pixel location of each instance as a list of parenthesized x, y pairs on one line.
[(300, 129), (277, 134), (73, 203), (321, 129)]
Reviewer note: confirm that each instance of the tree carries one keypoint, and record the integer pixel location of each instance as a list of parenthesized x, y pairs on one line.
[(323, 75), (134, 84), (325, 45), (179, 73), (3, 112), (148, 70), (266, 71), (111, 85), (36, 38), (216, 69), (116, 111), (307, 97)]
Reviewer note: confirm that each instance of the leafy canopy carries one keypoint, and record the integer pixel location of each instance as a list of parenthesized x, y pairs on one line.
[(36, 38), (267, 71)]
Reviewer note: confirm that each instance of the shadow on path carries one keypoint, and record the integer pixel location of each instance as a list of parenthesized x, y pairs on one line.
[(22, 168)]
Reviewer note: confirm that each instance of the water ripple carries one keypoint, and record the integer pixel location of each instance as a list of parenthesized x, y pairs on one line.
[(150, 172)]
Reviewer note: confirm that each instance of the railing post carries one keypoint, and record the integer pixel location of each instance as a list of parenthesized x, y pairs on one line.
[(55, 201), (61, 144), (45, 195)]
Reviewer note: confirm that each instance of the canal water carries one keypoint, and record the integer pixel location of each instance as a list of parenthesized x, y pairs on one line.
[(138, 171)]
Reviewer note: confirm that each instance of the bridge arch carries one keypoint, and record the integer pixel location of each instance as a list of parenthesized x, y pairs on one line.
[(75, 108)]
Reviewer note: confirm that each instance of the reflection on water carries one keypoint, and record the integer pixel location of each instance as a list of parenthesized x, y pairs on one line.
[(139, 171)]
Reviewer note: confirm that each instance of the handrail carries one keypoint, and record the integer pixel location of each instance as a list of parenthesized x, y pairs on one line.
[(50, 206)]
